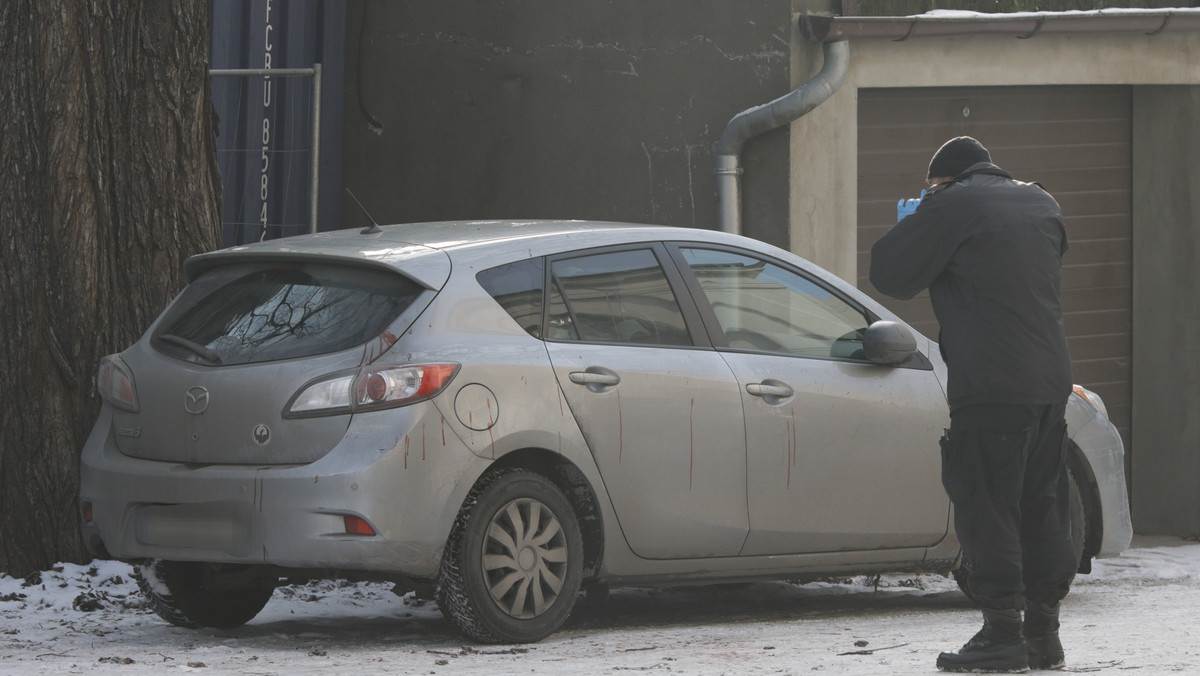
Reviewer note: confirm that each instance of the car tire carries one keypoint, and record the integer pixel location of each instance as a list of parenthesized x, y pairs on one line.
[(513, 563), (194, 595), (1078, 533)]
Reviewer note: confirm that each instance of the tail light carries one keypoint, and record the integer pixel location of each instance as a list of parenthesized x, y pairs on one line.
[(370, 389), (114, 381)]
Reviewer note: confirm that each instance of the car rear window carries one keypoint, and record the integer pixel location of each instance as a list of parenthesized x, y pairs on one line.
[(246, 314)]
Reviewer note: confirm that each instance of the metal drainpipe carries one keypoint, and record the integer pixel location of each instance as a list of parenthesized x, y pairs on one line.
[(761, 119)]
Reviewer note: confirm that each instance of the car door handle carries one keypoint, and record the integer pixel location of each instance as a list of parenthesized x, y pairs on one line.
[(774, 389), (594, 378)]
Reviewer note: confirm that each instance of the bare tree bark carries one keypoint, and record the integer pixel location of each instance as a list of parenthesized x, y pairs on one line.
[(108, 181)]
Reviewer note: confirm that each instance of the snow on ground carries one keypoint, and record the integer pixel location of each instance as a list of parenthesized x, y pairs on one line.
[(1136, 613)]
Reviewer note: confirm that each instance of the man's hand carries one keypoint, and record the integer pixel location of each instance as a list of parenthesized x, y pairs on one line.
[(906, 207)]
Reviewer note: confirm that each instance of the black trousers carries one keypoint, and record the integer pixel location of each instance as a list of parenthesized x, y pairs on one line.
[(1004, 468)]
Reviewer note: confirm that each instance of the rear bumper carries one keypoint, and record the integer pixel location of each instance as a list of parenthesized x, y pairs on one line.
[(405, 486)]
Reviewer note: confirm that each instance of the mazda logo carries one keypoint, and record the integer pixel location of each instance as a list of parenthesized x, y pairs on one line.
[(195, 400), (261, 434)]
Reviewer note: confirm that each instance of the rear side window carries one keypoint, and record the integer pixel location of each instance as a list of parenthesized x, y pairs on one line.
[(247, 314), (618, 297), (517, 287)]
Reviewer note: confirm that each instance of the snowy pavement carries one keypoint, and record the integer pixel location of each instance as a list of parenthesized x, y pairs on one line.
[(1139, 613)]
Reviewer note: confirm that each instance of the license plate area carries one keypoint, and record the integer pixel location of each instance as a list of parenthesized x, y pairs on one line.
[(224, 526)]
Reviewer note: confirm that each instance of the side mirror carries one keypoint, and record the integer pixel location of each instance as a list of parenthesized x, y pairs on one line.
[(888, 343)]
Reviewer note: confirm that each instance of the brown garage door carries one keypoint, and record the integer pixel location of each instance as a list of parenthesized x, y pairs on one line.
[(1073, 140)]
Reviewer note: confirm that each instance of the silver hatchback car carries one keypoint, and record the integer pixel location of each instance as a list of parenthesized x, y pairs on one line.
[(510, 411)]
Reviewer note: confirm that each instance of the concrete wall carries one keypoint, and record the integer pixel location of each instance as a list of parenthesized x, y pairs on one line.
[(1166, 389), (555, 109), (1166, 310)]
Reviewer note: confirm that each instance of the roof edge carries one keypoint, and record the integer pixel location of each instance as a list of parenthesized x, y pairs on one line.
[(1023, 25)]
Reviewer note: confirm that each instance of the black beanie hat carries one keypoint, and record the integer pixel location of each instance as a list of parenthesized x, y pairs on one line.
[(956, 155)]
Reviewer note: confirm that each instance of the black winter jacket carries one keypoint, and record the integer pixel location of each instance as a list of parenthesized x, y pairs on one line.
[(989, 249)]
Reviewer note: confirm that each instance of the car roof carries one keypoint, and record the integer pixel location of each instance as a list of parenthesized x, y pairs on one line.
[(424, 251), (427, 252)]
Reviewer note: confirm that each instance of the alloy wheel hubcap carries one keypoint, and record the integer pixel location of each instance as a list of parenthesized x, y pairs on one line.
[(524, 558)]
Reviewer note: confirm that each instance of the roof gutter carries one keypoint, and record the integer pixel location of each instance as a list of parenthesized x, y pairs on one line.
[(761, 119), (1024, 25)]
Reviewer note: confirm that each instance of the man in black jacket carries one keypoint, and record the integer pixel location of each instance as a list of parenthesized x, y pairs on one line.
[(989, 250)]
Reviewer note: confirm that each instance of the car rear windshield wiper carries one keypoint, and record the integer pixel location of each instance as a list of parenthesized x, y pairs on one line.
[(195, 348)]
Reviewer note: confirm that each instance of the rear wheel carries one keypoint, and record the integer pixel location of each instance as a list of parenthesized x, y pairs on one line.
[(1078, 533), (194, 594), (514, 560)]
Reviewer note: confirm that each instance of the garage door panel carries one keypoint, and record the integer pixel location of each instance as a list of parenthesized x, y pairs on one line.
[(1100, 371), (1001, 105), (1102, 275), (1097, 323), (1092, 179), (1046, 134), (1076, 141), (900, 186), (1044, 158), (1092, 299), (1093, 249), (908, 138), (1100, 226), (1099, 346), (1092, 203)]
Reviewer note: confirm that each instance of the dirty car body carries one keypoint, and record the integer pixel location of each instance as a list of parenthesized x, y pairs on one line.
[(513, 410)]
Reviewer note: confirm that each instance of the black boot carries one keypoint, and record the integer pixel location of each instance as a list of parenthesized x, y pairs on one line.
[(1041, 636), (999, 646)]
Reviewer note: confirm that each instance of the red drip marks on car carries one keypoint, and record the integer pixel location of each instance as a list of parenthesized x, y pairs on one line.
[(491, 424), (791, 443), (374, 349), (787, 459), (691, 442), (620, 430)]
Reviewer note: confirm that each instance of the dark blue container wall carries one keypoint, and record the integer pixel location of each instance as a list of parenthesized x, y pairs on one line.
[(264, 145)]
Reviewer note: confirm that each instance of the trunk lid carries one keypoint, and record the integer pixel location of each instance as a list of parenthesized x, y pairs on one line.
[(215, 372)]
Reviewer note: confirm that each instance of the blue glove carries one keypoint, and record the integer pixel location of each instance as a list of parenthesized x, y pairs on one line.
[(906, 207)]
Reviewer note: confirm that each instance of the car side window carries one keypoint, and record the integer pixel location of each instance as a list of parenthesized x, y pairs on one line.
[(517, 287), (764, 307), (614, 297)]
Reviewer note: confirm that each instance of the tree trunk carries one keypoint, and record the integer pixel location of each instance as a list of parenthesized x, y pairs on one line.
[(108, 181)]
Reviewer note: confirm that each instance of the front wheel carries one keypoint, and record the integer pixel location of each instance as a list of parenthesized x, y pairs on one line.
[(193, 594), (514, 560)]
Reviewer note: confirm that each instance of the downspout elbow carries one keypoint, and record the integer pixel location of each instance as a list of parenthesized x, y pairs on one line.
[(761, 119)]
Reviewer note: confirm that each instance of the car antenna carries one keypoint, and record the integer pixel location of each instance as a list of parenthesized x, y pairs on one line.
[(374, 226)]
